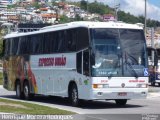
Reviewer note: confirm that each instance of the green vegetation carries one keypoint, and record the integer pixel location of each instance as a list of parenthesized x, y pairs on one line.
[(1, 78), (64, 19), (11, 6), (100, 8), (36, 5), (17, 107), (127, 17), (95, 7)]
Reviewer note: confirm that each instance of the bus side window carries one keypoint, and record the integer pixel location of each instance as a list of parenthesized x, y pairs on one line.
[(14, 46), (79, 62), (86, 62), (7, 47), (71, 39), (82, 38), (3, 50)]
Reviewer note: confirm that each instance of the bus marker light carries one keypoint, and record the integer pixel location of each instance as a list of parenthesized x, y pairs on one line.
[(143, 93), (99, 93)]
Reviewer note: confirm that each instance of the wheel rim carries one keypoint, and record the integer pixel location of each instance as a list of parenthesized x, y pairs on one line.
[(18, 90), (26, 91), (74, 95)]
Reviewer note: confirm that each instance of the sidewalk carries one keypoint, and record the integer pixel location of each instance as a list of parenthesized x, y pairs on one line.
[(153, 94)]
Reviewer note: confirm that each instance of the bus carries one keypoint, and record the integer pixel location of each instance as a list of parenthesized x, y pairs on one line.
[(154, 65), (78, 60)]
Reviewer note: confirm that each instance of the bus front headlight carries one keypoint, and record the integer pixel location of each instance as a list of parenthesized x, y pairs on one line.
[(158, 70), (158, 76)]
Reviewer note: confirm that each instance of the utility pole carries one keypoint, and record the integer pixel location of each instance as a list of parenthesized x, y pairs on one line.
[(116, 11), (87, 7), (153, 46), (145, 18), (56, 21)]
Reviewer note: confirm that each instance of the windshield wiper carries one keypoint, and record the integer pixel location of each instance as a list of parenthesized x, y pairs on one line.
[(113, 70), (129, 64), (133, 71)]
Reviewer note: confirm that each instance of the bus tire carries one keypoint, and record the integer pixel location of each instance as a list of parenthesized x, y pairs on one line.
[(26, 91), (159, 84), (121, 102), (152, 83), (73, 95), (19, 93)]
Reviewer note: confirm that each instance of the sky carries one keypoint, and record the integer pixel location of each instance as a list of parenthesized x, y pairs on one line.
[(135, 7)]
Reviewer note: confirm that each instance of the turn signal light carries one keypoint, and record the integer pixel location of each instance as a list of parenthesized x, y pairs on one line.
[(95, 85), (100, 85)]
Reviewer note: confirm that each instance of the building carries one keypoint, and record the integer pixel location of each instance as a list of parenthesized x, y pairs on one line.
[(108, 17)]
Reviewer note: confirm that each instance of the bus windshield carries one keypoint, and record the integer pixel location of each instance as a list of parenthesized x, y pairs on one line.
[(118, 52)]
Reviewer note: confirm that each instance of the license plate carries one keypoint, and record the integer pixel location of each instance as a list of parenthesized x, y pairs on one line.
[(122, 94)]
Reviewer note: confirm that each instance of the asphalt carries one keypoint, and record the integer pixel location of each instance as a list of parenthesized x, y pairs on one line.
[(62, 103)]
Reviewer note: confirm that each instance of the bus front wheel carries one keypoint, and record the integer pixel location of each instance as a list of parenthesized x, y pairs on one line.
[(152, 83), (121, 102), (26, 90), (74, 95)]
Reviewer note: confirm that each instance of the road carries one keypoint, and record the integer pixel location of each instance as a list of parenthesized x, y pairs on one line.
[(139, 107)]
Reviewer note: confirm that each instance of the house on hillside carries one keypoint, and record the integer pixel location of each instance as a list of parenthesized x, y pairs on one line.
[(108, 17)]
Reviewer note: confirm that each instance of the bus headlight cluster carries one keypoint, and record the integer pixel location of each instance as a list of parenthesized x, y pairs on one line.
[(142, 85), (100, 85)]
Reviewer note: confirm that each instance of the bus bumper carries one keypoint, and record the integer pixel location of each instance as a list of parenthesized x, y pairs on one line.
[(101, 94), (157, 81)]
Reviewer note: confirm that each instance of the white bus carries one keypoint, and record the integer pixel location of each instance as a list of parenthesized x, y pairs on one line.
[(78, 60)]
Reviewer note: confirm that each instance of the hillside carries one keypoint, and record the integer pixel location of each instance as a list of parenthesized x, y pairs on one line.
[(100, 8)]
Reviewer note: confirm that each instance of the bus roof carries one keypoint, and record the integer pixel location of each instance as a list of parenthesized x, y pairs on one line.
[(86, 24)]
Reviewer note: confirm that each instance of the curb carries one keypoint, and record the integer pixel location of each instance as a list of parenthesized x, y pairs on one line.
[(2, 113)]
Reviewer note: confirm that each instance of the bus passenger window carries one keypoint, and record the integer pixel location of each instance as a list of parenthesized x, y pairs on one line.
[(7, 45)]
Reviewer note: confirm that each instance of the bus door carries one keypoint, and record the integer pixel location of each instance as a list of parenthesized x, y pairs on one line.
[(154, 68), (83, 62)]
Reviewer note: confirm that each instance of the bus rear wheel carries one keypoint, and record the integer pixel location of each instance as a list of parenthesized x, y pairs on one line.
[(19, 93), (121, 102), (74, 95)]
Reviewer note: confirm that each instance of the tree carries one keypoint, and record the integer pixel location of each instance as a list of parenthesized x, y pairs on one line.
[(36, 5), (99, 8), (78, 18), (83, 4), (11, 6), (64, 19)]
